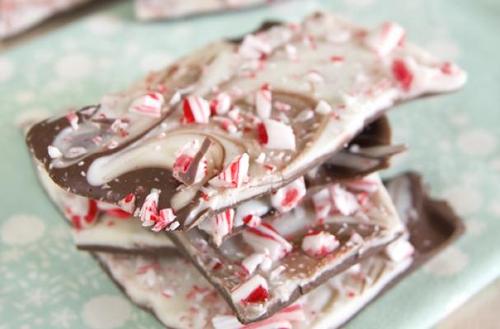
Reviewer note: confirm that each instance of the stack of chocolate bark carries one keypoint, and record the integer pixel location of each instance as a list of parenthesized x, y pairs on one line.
[(222, 191)]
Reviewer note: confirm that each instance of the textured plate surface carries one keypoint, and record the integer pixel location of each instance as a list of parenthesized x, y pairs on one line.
[(454, 141)]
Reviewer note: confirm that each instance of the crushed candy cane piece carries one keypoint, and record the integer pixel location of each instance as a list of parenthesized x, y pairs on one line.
[(263, 101), (384, 39), (253, 47), (222, 225), (148, 213), (127, 203), (165, 218), (54, 152), (337, 59), (345, 202), (168, 293), (251, 262), (276, 135), (399, 250), (220, 104), (247, 209), (226, 124), (235, 174), (150, 104), (264, 238), (176, 98), (81, 211), (252, 220), (319, 244), (196, 109), (287, 197), (402, 74), (253, 291), (191, 164), (323, 108), (322, 204)]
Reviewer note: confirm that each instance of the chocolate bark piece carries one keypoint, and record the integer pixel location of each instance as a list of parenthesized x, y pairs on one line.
[(265, 268), (169, 9), (99, 227), (282, 82), (332, 305), (107, 232), (19, 15)]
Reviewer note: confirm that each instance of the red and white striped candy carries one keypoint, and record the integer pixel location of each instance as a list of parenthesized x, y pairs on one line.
[(384, 39), (196, 109), (322, 204), (234, 175), (112, 210), (222, 225), (184, 161), (287, 197), (254, 47), (127, 203), (254, 291), (148, 213), (150, 105), (403, 74), (165, 219), (82, 212), (263, 101), (252, 220), (250, 212), (319, 244), (226, 124), (73, 120), (265, 239), (399, 250), (220, 104), (344, 201), (276, 135)]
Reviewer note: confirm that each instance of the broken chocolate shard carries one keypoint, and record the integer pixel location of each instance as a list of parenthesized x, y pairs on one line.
[(288, 119), (286, 270), (332, 305), (126, 235)]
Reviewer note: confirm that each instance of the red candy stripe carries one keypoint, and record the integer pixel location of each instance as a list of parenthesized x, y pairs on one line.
[(196, 110)]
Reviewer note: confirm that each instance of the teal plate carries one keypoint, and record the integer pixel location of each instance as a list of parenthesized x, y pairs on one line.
[(453, 141)]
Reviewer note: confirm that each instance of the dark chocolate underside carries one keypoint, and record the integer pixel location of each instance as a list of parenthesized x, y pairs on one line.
[(435, 227)]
